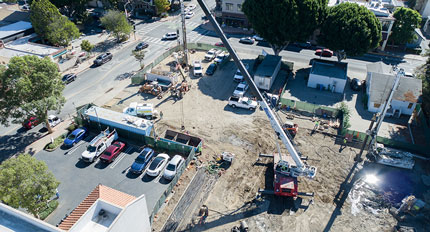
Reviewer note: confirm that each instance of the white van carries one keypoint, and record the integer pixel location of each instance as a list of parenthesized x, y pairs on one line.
[(173, 166)]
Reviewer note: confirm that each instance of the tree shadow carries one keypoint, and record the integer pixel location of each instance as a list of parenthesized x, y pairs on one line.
[(14, 144)]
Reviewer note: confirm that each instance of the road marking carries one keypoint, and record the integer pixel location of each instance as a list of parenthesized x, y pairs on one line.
[(74, 149), (121, 156)]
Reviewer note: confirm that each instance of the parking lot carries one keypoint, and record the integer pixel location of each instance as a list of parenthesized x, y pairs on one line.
[(79, 178)]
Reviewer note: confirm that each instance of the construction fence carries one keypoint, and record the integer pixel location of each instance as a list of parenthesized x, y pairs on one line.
[(138, 78), (319, 110), (358, 136)]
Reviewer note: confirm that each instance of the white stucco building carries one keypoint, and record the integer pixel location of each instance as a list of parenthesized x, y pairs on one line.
[(328, 75)]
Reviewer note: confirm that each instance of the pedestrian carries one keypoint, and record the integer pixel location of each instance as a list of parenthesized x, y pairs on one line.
[(343, 145), (57, 193), (161, 114), (317, 123)]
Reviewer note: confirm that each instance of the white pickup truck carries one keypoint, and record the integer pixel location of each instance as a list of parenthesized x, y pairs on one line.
[(145, 110), (242, 102), (98, 145)]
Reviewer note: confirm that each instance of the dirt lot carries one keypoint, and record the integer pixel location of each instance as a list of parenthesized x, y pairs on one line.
[(204, 112)]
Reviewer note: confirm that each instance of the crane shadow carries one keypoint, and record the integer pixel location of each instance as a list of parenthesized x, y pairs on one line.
[(342, 194)]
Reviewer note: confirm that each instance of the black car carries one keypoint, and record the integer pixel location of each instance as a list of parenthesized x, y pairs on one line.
[(211, 69), (247, 40), (356, 84), (104, 58), (306, 45), (69, 78), (141, 46)]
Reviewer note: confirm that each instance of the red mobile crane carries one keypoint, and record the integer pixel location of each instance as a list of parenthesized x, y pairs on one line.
[(286, 167)]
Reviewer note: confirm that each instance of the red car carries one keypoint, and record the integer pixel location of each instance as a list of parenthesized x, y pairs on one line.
[(30, 123), (324, 52), (112, 152), (219, 44)]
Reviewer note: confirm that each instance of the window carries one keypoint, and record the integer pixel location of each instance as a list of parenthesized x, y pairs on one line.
[(239, 7), (410, 105), (229, 6)]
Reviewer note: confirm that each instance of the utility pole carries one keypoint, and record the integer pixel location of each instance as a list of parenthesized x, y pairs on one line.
[(358, 156), (374, 132), (184, 33)]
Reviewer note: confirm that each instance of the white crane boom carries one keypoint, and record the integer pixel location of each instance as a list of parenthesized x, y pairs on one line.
[(300, 168)]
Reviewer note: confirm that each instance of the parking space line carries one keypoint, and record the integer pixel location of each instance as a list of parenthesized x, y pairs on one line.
[(76, 147), (120, 158)]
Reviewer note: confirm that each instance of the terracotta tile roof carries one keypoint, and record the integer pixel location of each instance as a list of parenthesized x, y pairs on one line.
[(103, 192)]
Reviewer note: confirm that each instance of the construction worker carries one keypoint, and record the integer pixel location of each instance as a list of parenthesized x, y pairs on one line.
[(343, 145), (317, 124)]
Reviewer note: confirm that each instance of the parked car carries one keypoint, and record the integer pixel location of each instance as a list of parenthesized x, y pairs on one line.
[(141, 46), (102, 59), (219, 44), (240, 89), (173, 166), (170, 36), (238, 77), (110, 154), (189, 15), (157, 165), (304, 45), (211, 69), (211, 54), (257, 38), (247, 40), (30, 122), (356, 84), (324, 52), (191, 6), (220, 57), (76, 136), (197, 70), (145, 156), (68, 78), (53, 120)]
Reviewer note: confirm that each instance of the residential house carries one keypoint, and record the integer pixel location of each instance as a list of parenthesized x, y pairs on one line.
[(229, 12), (328, 75), (379, 82), (108, 210)]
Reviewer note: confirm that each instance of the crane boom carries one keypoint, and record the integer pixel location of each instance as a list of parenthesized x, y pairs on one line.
[(300, 168)]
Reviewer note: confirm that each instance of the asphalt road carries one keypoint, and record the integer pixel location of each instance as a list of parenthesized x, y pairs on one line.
[(102, 82)]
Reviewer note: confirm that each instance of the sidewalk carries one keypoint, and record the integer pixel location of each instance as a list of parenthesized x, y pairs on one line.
[(228, 30), (97, 40)]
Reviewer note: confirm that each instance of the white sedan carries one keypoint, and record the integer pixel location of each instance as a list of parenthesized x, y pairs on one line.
[(53, 120), (240, 89), (157, 165), (189, 15), (191, 7)]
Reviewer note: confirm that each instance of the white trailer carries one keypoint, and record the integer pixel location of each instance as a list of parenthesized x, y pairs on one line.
[(145, 110), (267, 71)]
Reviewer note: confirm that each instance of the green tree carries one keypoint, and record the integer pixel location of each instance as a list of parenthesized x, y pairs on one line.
[(140, 56), (50, 24), (404, 26), (162, 6), (116, 23), (62, 31), (283, 21), (86, 46), (30, 86), (350, 29), (72, 8), (424, 74), (26, 182)]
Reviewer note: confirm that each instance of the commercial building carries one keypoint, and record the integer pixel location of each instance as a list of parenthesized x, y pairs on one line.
[(267, 71), (229, 13), (328, 75)]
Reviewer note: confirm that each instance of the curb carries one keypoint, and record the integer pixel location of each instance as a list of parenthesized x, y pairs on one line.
[(113, 52)]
